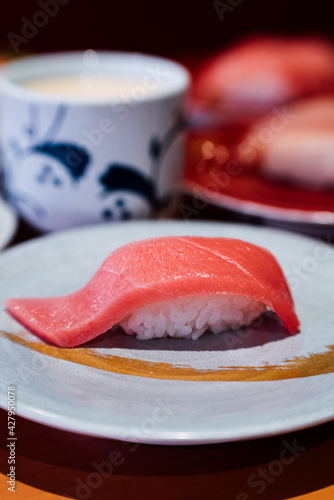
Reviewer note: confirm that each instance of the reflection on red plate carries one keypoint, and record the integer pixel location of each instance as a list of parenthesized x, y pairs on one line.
[(213, 174)]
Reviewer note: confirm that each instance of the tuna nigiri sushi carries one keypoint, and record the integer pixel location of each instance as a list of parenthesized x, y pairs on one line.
[(168, 286)]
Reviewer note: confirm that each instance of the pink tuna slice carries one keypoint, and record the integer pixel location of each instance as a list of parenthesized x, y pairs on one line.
[(153, 270)]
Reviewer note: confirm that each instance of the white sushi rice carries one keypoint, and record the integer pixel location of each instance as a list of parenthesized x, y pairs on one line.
[(190, 317)]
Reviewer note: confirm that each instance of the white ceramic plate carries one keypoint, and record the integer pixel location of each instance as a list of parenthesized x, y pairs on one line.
[(277, 382), (8, 224)]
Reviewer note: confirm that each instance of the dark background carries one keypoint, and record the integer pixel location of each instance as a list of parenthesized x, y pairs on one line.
[(161, 27)]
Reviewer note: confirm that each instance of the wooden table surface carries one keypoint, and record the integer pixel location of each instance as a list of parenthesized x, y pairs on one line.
[(54, 464)]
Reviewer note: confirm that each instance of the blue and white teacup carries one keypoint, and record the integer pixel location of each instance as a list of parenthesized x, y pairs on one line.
[(92, 136)]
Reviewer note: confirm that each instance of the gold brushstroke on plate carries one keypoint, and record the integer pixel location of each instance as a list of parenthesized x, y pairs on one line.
[(314, 364)]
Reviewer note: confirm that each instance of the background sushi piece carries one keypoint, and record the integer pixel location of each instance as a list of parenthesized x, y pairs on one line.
[(299, 150), (258, 73)]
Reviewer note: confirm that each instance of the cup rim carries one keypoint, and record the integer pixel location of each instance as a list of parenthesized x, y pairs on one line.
[(71, 62)]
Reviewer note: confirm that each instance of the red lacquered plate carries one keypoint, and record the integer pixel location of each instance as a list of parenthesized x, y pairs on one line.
[(214, 175)]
